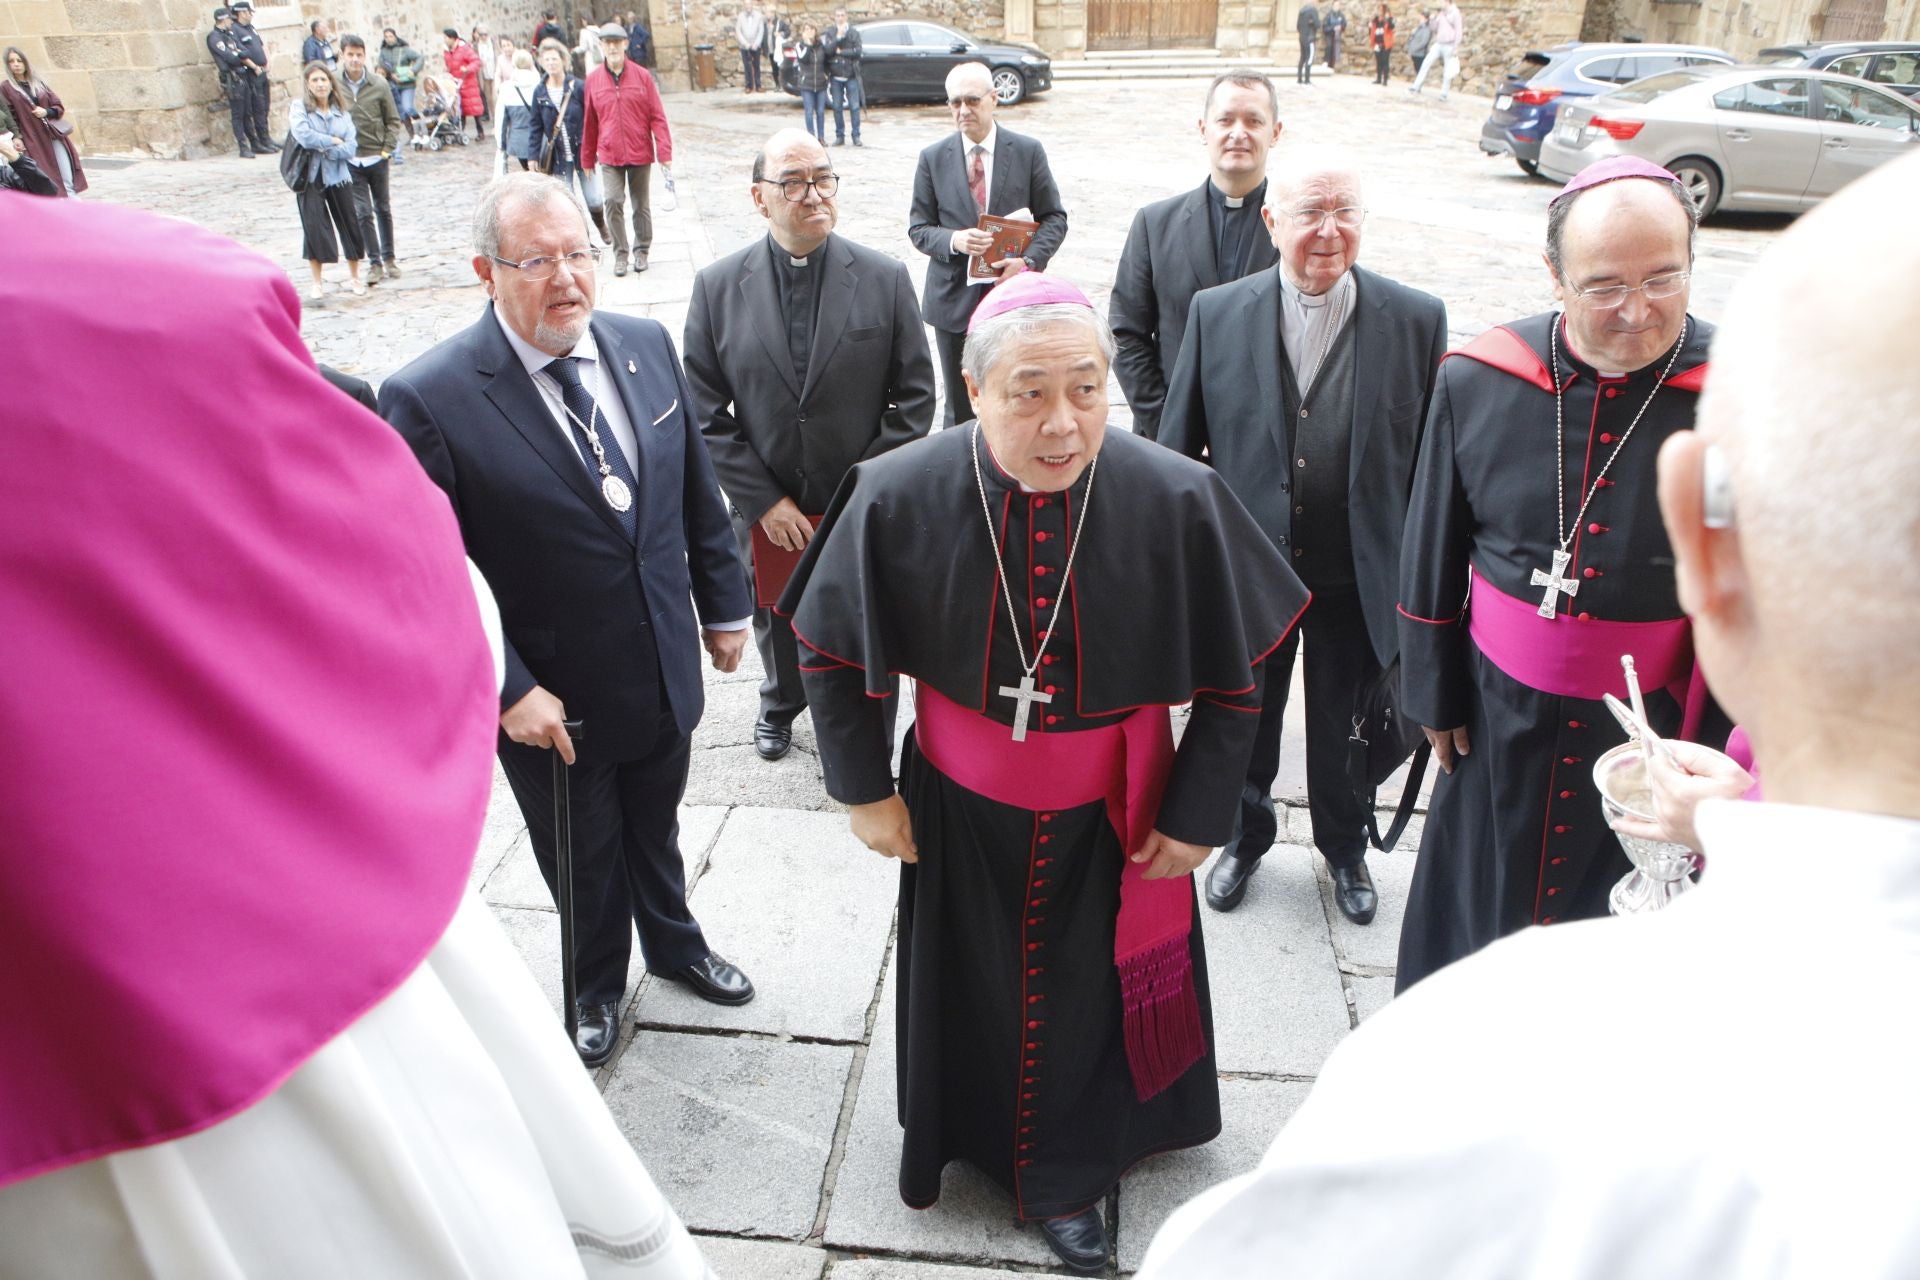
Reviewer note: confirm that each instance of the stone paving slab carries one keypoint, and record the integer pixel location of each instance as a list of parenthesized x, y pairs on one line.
[(738, 776), (1251, 1114), (503, 830), (1278, 1006), (516, 881), (973, 1221), (1370, 995), (536, 935), (735, 1131), (734, 1259), (901, 1269), (805, 910)]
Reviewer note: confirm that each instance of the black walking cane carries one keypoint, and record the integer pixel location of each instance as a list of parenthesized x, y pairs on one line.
[(563, 874)]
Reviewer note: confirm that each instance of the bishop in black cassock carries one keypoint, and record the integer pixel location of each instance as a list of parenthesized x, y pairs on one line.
[(1045, 1037), (1535, 557)]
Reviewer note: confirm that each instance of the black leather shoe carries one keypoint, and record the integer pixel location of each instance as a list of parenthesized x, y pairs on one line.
[(715, 979), (246, 153), (1227, 882), (1079, 1241), (772, 740), (1353, 891), (598, 1034)]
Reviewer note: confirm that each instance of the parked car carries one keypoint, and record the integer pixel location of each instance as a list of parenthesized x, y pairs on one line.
[(1531, 95), (1754, 138), (1895, 64), (907, 60)]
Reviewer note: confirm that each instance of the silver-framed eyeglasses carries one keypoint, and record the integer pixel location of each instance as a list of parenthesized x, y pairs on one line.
[(795, 189), (580, 262), (1346, 217), (1610, 297)]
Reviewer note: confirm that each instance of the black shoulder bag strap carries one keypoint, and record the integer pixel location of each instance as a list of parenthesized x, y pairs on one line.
[(1409, 796)]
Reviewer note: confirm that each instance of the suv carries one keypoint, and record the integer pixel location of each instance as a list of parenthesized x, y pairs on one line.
[(1529, 98), (1895, 64)]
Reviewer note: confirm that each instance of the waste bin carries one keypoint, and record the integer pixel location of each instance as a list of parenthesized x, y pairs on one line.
[(704, 75)]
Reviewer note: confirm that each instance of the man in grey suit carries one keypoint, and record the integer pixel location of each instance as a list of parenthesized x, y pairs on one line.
[(981, 169), (1306, 388), (805, 355), (1185, 243)]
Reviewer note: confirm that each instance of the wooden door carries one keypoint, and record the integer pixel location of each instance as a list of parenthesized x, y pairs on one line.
[(1853, 20), (1151, 24)]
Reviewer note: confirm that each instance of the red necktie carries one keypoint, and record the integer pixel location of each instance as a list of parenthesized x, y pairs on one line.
[(977, 178)]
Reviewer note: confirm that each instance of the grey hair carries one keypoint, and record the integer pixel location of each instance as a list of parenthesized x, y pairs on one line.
[(988, 343), (1293, 167), (1558, 210), (537, 189)]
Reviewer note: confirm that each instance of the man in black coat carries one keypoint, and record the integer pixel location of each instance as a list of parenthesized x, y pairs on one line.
[(1011, 170), (567, 444), (805, 355), (1320, 445), (1185, 243), (1307, 25)]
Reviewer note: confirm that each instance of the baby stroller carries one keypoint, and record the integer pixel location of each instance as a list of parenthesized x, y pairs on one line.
[(436, 126)]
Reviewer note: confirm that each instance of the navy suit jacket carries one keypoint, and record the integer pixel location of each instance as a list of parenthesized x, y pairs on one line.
[(944, 204), (585, 609)]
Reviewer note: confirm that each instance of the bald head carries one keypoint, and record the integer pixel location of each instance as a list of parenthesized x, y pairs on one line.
[(1293, 172), (789, 145), (970, 98), (795, 189)]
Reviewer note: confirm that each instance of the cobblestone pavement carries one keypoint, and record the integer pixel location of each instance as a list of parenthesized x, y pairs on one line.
[(771, 1126)]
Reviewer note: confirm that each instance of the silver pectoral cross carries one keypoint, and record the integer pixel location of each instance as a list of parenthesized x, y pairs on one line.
[(1023, 697), (1555, 584)]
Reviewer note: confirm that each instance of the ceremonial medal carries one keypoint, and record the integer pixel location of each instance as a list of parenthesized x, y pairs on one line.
[(615, 490)]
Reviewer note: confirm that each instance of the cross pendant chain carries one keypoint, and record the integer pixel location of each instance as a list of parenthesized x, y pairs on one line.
[(1024, 696), (1556, 582)]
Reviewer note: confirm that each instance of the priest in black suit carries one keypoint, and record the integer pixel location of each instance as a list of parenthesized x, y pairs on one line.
[(805, 355), (567, 444), (982, 168), (1193, 241), (1306, 387)]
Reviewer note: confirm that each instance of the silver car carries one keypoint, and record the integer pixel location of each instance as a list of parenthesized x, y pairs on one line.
[(1758, 138)]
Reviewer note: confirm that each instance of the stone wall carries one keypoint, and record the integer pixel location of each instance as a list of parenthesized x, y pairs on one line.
[(1742, 27), (1496, 35), (711, 22)]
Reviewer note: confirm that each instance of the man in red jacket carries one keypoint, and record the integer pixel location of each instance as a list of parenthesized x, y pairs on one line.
[(625, 128)]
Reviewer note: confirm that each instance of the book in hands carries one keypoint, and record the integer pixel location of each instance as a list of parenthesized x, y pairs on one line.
[(1011, 236)]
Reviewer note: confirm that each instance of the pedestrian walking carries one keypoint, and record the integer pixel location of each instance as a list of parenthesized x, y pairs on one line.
[(559, 109), (259, 91), (1449, 29), (43, 130), (322, 127), (1420, 41), (810, 77), (400, 66), (379, 136), (1333, 25), (1380, 40), (624, 131), (463, 64), (639, 40), (750, 30), (230, 65), (1307, 26), (844, 87), (488, 53), (516, 123), (586, 54)]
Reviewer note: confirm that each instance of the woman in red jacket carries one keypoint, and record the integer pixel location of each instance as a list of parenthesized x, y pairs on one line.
[(464, 64)]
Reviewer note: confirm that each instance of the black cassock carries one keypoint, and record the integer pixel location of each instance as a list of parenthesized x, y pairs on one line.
[(1011, 1052), (1515, 835)]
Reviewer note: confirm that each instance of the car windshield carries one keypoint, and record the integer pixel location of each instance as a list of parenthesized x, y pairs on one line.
[(1529, 67), (1781, 58), (1654, 86)]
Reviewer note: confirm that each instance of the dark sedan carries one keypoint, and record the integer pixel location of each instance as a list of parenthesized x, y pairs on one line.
[(907, 60), (1530, 96)]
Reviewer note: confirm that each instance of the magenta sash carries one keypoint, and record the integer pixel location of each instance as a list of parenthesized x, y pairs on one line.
[(1573, 657), (1127, 764)]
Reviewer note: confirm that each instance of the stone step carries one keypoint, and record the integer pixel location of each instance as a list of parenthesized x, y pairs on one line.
[(1139, 55), (1071, 71)]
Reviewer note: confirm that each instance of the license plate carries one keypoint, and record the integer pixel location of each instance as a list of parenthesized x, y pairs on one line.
[(1568, 135), (1502, 102)]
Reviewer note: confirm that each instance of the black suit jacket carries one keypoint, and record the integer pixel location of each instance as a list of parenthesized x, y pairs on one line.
[(869, 378), (1168, 258), (359, 388), (943, 204), (578, 599), (1224, 402)]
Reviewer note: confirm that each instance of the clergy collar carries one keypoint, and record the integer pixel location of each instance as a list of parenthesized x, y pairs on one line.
[(782, 258), (1306, 302), (998, 479), (1250, 200), (533, 359), (1582, 365)]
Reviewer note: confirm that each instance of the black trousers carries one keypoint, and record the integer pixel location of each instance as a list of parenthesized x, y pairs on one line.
[(238, 105), (781, 697), (1339, 661), (1380, 59), (627, 868), (957, 407), (373, 209), (1303, 74), (258, 89)]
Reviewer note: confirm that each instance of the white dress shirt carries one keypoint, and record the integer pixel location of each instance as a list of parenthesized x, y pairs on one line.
[(1307, 322), (966, 170), (1721, 1090), (613, 420)]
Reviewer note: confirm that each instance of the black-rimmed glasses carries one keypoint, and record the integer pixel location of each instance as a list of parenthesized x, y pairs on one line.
[(795, 189)]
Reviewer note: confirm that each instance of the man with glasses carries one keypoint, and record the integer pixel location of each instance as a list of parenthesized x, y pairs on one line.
[(1535, 491), (565, 441), (1305, 388), (622, 133), (981, 169), (805, 355)]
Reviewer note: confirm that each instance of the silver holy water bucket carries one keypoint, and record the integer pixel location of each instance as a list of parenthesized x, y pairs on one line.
[(1662, 870)]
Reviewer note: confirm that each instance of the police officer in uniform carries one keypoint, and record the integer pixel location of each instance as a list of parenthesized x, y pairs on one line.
[(253, 77), (224, 45)]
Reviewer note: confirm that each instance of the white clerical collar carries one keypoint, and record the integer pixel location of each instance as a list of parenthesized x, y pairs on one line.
[(533, 359), (986, 144), (1306, 301), (1231, 202)]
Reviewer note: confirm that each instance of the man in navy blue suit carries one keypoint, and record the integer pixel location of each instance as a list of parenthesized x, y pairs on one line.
[(568, 446)]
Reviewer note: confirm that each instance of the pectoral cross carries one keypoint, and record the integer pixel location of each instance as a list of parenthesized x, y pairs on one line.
[(1555, 584), (1023, 697)]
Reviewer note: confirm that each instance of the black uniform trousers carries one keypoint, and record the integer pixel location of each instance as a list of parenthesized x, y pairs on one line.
[(238, 107), (627, 865), (958, 407), (257, 89), (1339, 663)]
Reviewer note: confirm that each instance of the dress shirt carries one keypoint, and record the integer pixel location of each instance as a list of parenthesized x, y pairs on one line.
[(613, 411), (1304, 322), (966, 169), (354, 88)]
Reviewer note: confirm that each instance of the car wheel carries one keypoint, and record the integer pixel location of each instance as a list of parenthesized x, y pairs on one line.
[(1701, 180), (1528, 167), (1008, 86)]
